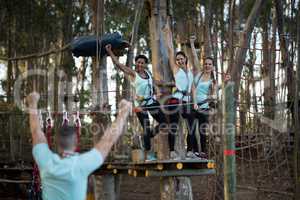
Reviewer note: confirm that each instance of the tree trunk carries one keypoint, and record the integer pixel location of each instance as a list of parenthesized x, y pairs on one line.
[(9, 63), (83, 78), (284, 50), (236, 68), (104, 187), (126, 93), (272, 65), (231, 33), (157, 19), (121, 147), (267, 69), (172, 188), (296, 110), (207, 23), (67, 62), (253, 81), (99, 71)]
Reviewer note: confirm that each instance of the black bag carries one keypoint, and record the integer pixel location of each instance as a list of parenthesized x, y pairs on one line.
[(89, 45)]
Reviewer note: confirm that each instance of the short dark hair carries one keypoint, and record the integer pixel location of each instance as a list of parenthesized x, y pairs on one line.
[(142, 57), (66, 137), (183, 54)]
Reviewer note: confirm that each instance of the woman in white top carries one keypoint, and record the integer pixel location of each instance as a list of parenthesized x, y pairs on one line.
[(180, 101), (143, 83)]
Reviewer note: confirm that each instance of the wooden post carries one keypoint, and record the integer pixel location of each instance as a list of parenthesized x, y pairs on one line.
[(172, 188), (229, 144), (162, 145), (296, 120), (11, 138)]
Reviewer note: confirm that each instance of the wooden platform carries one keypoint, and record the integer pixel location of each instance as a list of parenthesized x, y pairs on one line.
[(161, 168), (189, 167)]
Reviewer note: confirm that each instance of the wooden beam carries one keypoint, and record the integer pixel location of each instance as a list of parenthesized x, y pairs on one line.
[(184, 172), (15, 181), (229, 146), (296, 118)]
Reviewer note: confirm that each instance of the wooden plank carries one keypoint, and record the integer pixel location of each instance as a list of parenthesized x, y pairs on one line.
[(15, 181), (185, 172), (177, 161)]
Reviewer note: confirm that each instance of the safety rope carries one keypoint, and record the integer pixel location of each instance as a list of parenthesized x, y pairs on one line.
[(78, 126), (49, 130), (65, 118)]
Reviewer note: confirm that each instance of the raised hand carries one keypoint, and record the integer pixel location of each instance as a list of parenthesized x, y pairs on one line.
[(227, 78), (108, 48), (195, 106), (167, 33), (193, 39), (33, 99), (125, 108)]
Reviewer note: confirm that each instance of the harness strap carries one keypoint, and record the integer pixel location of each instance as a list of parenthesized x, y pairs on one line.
[(65, 118), (78, 125), (49, 130)]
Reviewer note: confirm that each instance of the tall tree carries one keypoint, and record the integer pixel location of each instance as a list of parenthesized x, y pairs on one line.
[(104, 186), (244, 40), (133, 45), (67, 61), (288, 66), (297, 113)]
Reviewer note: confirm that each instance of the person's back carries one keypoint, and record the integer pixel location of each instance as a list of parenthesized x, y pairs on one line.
[(65, 178)]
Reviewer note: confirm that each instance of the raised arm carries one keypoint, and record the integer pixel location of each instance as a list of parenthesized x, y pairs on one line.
[(169, 44), (197, 66), (214, 89), (162, 83), (112, 133), (34, 121), (194, 98), (127, 70)]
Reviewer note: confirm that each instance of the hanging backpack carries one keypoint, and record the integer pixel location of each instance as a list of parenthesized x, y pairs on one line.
[(89, 45)]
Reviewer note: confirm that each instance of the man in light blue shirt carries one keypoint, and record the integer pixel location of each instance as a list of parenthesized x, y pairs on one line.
[(64, 175)]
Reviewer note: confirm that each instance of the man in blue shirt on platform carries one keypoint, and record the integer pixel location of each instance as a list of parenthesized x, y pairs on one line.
[(64, 175)]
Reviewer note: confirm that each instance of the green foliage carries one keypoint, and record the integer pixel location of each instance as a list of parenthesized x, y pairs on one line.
[(37, 25)]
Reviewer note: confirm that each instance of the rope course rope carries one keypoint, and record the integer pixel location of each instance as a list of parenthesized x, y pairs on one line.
[(37, 55)]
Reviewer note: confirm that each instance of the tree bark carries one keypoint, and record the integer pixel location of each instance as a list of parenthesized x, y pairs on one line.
[(231, 32), (172, 188), (207, 23), (157, 19), (266, 68), (284, 50)]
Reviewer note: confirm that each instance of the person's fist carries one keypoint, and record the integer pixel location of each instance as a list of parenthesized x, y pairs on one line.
[(192, 38), (195, 106), (108, 47), (227, 78), (33, 99)]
